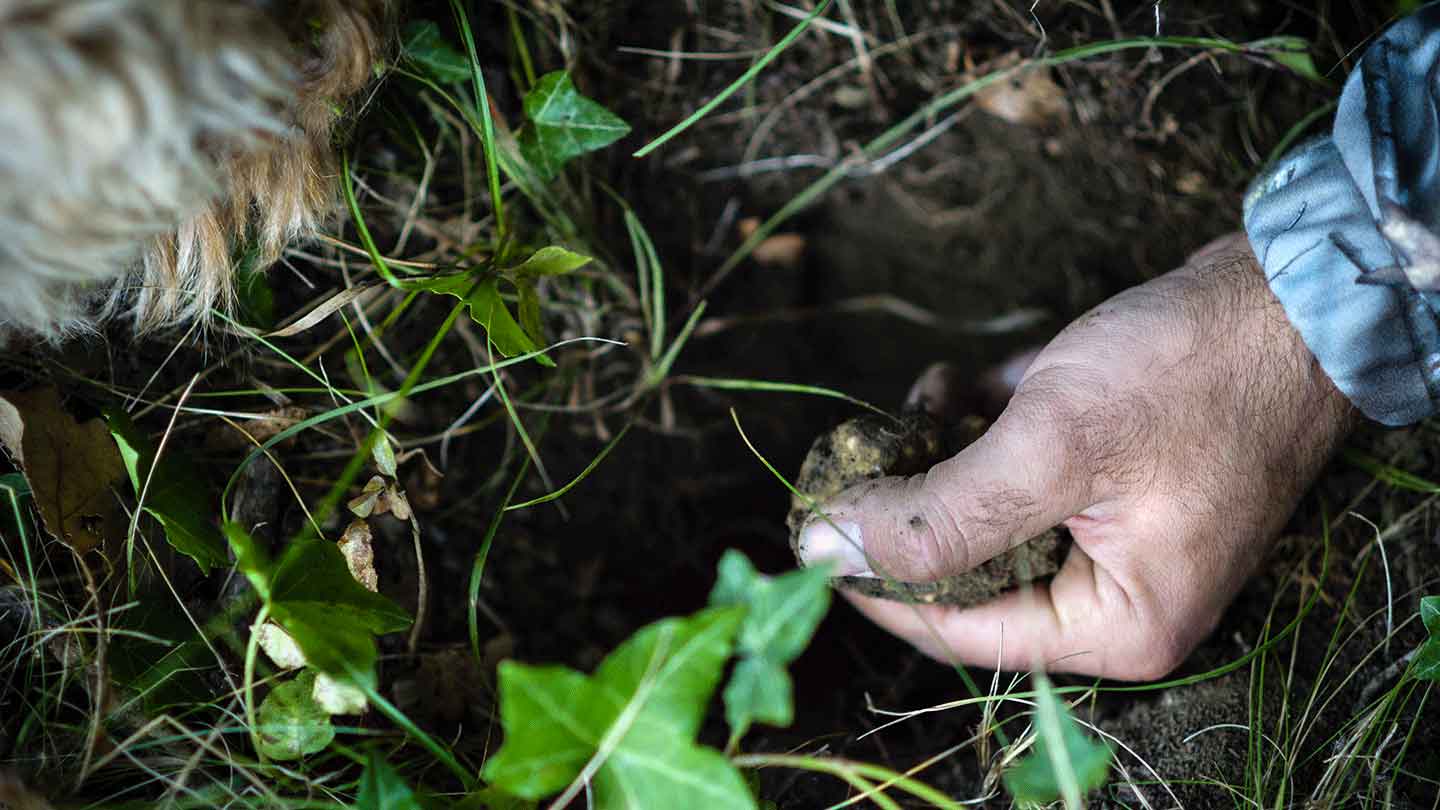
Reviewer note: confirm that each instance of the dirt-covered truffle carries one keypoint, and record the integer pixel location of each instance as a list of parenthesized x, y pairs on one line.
[(873, 446)]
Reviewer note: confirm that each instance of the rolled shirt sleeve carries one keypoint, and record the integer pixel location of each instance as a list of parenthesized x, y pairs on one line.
[(1343, 226)]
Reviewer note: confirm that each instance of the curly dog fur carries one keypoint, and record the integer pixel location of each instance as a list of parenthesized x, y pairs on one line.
[(151, 142)]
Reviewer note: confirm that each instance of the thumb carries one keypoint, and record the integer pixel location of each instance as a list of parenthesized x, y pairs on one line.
[(1028, 473)]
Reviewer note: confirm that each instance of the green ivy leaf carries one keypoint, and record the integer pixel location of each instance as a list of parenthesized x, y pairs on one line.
[(333, 618), (428, 49), (1426, 664), (486, 308), (382, 787), (783, 614), (564, 125), (493, 798), (645, 701), (177, 496), (1064, 761), (292, 724)]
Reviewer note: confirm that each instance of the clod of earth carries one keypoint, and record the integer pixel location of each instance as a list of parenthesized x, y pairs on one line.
[(870, 447)]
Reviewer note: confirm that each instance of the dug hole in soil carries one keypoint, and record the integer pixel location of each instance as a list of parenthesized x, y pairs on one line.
[(983, 232), (1035, 204)]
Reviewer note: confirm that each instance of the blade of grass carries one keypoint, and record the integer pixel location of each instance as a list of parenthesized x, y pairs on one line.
[(840, 768), (520, 425), (745, 79), (1047, 721), (652, 281), (1388, 474), (662, 368), (732, 384), (347, 184), (487, 132), (477, 569), (589, 468), (381, 399), (1293, 133)]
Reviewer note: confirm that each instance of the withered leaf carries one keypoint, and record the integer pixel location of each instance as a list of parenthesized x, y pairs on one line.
[(71, 466)]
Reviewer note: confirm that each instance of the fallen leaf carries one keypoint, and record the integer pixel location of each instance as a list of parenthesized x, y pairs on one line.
[(779, 250), (399, 504), (784, 250), (364, 504), (1028, 98), (71, 466), (356, 546)]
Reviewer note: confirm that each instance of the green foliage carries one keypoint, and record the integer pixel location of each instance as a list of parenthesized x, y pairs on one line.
[(382, 787), (311, 593), (292, 725), (174, 493), (633, 723), (481, 297), (1293, 52), (1426, 664), (156, 655), (782, 615), (549, 261), (432, 54), (332, 617), (564, 125), (493, 798), (1065, 762)]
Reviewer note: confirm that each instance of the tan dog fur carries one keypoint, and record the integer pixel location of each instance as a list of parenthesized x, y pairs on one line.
[(149, 143)]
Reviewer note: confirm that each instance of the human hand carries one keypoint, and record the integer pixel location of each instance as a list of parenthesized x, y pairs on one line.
[(1172, 430)]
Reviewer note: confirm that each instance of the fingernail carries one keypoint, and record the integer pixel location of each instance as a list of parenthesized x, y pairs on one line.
[(820, 542)]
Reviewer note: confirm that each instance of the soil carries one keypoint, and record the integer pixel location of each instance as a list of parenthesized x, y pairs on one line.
[(986, 238)]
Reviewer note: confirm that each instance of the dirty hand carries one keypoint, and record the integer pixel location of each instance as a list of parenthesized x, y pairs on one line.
[(1172, 430)]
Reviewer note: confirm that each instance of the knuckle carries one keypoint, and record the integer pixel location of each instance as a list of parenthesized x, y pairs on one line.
[(1096, 436), (934, 536)]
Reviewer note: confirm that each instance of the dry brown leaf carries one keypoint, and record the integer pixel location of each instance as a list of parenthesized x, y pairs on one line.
[(1030, 98), (399, 504), (782, 250), (355, 545), (71, 466), (323, 310), (777, 250), (368, 502)]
